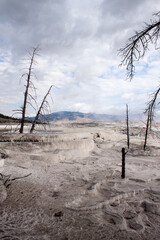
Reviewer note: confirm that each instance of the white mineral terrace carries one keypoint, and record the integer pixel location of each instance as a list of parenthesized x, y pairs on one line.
[(66, 184)]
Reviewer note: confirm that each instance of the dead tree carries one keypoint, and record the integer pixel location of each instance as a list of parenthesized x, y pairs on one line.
[(146, 133), (150, 114), (28, 84), (134, 50), (43, 105), (7, 180), (127, 123), (151, 107), (137, 45)]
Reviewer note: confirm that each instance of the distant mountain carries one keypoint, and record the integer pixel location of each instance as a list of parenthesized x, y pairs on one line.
[(71, 116)]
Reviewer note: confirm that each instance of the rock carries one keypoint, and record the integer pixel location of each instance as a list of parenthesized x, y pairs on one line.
[(58, 214), (129, 214), (135, 226), (151, 207)]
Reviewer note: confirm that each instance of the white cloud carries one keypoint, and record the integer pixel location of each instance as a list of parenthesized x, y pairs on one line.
[(82, 107), (79, 42)]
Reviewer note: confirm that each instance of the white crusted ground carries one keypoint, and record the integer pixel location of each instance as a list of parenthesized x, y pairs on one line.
[(71, 186)]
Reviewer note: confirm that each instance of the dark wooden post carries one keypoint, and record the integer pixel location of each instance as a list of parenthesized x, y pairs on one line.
[(123, 163)]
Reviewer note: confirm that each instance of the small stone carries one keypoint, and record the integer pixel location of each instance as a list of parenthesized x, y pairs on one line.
[(134, 225), (58, 214), (129, 214)]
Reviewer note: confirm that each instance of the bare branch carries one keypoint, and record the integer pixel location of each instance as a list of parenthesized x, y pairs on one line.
[(137, 46), (29, 103), (17, 110), (42, 106), (7, 180)]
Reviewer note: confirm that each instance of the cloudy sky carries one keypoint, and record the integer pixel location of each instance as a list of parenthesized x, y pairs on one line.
[(78, 40)]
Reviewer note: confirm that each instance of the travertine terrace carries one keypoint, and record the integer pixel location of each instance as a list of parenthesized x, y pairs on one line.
[(66, 183)]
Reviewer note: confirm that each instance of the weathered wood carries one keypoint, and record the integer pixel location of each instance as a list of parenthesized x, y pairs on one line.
[(127, 123), (40, 109), (147, 129), (27, 89), (123, 163)]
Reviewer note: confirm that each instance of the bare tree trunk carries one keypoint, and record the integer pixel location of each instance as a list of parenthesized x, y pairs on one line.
[(123, 163), (127, 122), (147, 128), (39, 111), (27, 89)]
